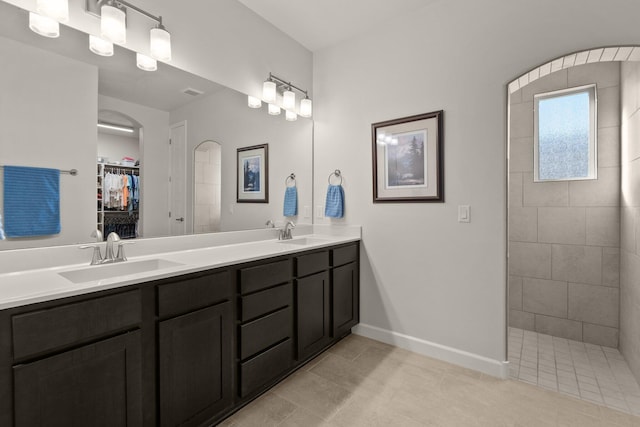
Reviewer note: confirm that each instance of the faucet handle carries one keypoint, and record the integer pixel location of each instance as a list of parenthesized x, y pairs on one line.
[(270, 224), (120, 256), (97, 255)]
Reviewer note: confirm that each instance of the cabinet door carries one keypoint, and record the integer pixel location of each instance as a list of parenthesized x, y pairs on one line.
[(313, 313), (95, 385), (195, 365), (346, 295)]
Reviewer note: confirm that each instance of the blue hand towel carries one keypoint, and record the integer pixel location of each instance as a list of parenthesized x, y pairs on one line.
[(31, 201), (334, 206), (291, 201)]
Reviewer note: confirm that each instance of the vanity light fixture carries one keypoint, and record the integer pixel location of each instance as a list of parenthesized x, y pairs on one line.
[(58, 10), (113, 22), (291, 116), (145, 63), (270, 89), (254, 102), (115, 127), (289, 99), (274, 109), (43, 25), (100, 46), (113, 26)]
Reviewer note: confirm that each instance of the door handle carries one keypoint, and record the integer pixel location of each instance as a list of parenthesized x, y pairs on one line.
[(180, 219)]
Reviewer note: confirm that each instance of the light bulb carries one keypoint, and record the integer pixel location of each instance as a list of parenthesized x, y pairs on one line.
[(145, 63), (269, 91), (274, 110), (99, 46), (306, 107), (113, 24), (160, 44), (291, 116), (57, 10), (289, 100), (44, 26), (254, 102)]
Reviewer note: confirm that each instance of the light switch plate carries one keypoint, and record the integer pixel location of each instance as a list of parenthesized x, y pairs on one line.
[(319, 212), (307, 211), (464, 213)]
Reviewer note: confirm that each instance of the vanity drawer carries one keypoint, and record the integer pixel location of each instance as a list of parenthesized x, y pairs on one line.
[(50, 329), (312, 263), (259, 334), (193, 294), (253, 279), (345, 255), (262, 302), (265, 367)]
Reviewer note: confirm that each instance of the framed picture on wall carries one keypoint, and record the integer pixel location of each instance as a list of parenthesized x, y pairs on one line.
[(408, 161), (253, 174)]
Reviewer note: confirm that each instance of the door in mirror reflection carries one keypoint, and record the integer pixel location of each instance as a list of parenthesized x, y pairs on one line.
[(207, 184), (177, 180)]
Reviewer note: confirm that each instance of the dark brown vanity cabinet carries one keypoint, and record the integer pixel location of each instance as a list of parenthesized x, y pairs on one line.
[(313, 303), (181, 351), (345, 290), (265, 330), (78, 363), (195, 349)]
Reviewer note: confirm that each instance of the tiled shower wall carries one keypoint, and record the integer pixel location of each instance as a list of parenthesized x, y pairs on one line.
[(564, 237), (206, 216), (630, 217)]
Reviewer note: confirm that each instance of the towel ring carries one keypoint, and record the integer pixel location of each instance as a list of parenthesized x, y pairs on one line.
[(291, 177), (335, 173)]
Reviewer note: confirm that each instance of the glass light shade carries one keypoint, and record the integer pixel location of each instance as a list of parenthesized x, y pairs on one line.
[(160, 44), (306, 107), (291, 116), (99, 46), (269, 91), (145, 63), (113, 24), (289, 100), (44, 26), (254, 102), (274, 110), (57, 10)]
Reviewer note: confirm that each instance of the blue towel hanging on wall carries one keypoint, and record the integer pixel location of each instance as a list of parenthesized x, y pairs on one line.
[(291, 201), (334, 205), (31, 201)]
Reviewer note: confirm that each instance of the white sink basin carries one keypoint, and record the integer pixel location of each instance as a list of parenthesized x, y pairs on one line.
[(304, 241), (109, 271)]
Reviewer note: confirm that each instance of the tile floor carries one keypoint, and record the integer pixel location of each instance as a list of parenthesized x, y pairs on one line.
[(586, 371), (361, 382)]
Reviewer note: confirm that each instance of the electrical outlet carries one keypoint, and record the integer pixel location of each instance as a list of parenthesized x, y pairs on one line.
[(307, 211)]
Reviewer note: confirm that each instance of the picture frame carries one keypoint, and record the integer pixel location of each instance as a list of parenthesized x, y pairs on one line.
[(408, 159), (253, 174)]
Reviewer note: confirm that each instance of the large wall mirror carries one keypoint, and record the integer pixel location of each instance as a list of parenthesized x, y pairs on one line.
[(54, 92)]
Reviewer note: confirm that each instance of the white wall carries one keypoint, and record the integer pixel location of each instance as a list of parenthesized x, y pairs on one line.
[(221, 40), (224, 117), (48, 111), (115, 147), (154, 169), (424, 275)]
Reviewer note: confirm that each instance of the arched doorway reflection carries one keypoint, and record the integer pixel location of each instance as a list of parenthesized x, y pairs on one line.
[(207, 185)]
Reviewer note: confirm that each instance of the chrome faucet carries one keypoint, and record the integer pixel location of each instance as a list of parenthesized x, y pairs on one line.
[(285, 233), (109, 255)]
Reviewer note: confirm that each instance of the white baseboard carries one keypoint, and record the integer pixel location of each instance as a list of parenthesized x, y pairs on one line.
[(462, 358)]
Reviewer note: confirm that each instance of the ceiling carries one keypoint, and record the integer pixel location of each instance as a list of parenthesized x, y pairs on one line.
[(317, 24)]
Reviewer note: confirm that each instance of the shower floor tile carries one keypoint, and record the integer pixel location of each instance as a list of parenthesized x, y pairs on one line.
[(589, 372)]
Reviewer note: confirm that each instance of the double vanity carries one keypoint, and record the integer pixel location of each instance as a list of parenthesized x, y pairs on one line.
[(182, 337)]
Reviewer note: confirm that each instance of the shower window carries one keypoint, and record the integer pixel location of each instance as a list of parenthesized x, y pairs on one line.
[(565, 135)]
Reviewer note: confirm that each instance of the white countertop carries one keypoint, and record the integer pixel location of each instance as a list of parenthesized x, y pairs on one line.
[(44, 284)]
